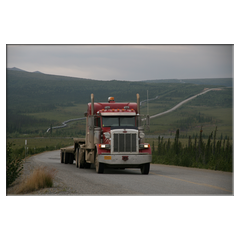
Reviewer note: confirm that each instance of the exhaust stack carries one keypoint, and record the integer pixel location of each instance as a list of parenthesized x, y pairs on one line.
[(92, 104), (138, 103)]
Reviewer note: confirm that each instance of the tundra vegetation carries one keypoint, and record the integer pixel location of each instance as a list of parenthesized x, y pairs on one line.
[(216, 154)]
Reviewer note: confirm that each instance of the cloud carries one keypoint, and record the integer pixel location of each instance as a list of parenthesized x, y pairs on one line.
[(124, 62)]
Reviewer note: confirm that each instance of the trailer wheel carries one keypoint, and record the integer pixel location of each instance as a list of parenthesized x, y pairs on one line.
[(145, 168), (87, 165), (62, 157), (81, 165), (99, 166), (66, 158), (70, 159), (77, 154)]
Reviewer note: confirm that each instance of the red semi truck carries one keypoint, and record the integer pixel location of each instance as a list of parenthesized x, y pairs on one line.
[(114, 138)]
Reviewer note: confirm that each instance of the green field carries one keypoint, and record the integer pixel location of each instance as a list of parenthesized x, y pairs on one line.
[(37, 101)]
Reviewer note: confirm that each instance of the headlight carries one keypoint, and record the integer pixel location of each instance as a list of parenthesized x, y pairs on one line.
[(142, 146), (107, 135), (106, 146)]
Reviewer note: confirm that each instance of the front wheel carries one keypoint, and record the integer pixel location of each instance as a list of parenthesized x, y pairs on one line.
[(99, 166), (145, 168)]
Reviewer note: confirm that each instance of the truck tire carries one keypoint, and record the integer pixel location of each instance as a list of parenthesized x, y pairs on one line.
[(87, 165), (62, 156), (81, 161), (77, 154), (145, 168), (70, 158), (99, 166), (66, 158)]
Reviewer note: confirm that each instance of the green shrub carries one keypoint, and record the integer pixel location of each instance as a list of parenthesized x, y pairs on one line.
[(14, 166)]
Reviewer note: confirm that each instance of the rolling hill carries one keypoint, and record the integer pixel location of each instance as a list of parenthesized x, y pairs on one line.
[(30, 93)]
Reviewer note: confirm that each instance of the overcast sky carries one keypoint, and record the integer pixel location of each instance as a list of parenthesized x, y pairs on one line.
[(125, 62)]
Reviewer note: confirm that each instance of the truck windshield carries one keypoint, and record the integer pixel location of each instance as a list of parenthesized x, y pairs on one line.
[(118, 121)]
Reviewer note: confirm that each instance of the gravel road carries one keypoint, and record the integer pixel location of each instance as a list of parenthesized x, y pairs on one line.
[(162, 180)]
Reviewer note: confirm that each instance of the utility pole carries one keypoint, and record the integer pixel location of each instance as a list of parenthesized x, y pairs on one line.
[(25, 148), (147, 104)]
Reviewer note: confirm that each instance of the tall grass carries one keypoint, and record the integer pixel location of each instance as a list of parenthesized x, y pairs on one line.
[(41, 177), (213, 154)]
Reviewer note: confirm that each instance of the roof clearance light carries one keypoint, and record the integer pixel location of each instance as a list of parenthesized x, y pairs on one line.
[(110, 99)]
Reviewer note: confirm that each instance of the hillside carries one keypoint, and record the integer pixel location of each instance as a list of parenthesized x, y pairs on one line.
[(35, 101), (34, 92)]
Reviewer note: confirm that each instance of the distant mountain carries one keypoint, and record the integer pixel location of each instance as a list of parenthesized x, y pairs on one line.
[(20, 70), (16, 69)]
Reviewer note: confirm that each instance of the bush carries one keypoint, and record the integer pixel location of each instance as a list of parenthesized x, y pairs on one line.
[(13, 166), (41, 177)]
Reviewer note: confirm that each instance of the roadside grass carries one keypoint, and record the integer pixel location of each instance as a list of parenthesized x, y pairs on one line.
[(36, 145), (41, 177), (41, 142)]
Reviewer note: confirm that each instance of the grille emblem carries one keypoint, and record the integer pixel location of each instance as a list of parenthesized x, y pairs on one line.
[(124, 158)]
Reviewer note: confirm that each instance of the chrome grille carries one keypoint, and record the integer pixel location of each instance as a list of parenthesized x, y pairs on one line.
[(124, 142)]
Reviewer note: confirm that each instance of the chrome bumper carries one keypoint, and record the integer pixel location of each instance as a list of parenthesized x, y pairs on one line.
[(125, 159)]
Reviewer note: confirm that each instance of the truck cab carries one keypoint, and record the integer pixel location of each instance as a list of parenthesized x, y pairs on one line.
[(118, 136)]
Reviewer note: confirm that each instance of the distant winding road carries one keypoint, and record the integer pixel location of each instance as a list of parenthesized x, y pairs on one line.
[(64, 124), (183, 102)]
